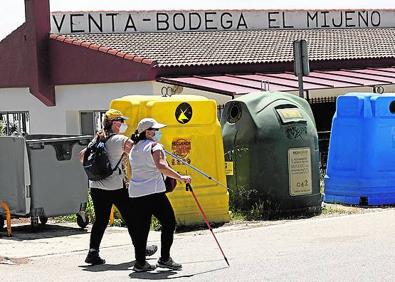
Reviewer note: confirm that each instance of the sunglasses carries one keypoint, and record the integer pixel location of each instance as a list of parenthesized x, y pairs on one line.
[(156, 129), (120, 120)]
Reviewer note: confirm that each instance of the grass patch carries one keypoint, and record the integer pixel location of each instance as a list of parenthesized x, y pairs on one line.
[(334, 209), (237, 216), (155, 224), (66, 218)]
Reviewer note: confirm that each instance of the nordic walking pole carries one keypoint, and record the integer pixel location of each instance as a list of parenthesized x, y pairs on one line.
[(196, 169), (189, 188)]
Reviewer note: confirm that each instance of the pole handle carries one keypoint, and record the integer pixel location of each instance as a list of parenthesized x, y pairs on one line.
[(195, 169)]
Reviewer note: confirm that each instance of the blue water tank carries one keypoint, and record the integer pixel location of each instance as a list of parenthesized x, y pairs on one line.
[(361, 157)]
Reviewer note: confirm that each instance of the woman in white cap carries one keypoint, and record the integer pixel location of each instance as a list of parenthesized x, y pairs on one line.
[(110, 190), (147, 192)]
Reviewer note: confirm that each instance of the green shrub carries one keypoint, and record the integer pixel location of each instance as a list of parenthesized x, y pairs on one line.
[(237, 216), (66, 218), (2, 128), (155, 224), (242, 198), (90, 212)]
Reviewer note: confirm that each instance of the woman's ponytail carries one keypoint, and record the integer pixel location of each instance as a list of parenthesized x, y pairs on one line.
[(136, 136)]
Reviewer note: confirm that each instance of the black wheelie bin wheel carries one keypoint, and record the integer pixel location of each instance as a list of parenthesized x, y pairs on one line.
[(43, 220), (82, 220), (34, 223)]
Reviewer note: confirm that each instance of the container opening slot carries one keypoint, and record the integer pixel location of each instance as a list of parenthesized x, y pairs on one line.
[(234, 113), (289, 114)]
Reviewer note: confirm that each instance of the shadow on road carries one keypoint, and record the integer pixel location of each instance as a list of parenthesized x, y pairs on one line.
[(162, 274), (24, 232), (107, 267), (158, 274)]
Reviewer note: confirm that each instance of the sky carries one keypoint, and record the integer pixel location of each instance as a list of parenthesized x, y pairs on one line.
[(12, 11)]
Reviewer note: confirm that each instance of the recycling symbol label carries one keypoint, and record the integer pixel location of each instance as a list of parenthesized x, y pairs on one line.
[(184, 113)]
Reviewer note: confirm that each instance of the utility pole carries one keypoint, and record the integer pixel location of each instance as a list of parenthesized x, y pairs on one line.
[(301, 62)]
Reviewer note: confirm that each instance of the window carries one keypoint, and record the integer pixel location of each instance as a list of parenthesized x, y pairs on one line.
[(91, 121), (14, 122)]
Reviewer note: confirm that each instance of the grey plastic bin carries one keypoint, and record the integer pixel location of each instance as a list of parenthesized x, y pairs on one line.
[(41, 177)]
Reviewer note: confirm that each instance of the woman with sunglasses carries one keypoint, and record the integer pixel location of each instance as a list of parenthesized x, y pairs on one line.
[(147, 194)]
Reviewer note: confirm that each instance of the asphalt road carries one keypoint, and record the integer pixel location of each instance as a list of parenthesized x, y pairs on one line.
[(359, 247)]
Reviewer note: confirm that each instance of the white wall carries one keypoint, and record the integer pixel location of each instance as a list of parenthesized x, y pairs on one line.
[(70, 99)]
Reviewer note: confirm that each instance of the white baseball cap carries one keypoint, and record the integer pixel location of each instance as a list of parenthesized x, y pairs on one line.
[(147, 123)]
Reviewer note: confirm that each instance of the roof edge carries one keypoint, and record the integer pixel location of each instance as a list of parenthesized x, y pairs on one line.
[(104, 49)]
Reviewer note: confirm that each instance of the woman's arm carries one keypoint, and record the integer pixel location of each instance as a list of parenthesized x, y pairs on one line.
[(163, 167), (127, 146)]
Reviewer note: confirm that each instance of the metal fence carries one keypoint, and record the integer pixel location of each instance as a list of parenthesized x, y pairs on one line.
[(323, 144)]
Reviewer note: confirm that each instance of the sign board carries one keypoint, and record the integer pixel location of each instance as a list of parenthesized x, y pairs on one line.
[(301, 57), (229, 168), (301, 62), (299, 170), (200, 20)]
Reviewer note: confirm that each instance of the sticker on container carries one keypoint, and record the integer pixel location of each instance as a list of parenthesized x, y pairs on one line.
[(229, 168), (299, 170), (183, 113), (182, 148), (290, 115)]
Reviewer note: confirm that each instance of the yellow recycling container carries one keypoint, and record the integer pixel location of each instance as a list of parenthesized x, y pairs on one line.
[(193, 133)]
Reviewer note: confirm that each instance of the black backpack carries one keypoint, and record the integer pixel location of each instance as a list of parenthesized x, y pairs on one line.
[(96, 163)]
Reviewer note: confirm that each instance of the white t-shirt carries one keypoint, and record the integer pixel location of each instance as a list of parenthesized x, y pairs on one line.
[(146, 178), (114, 147)]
